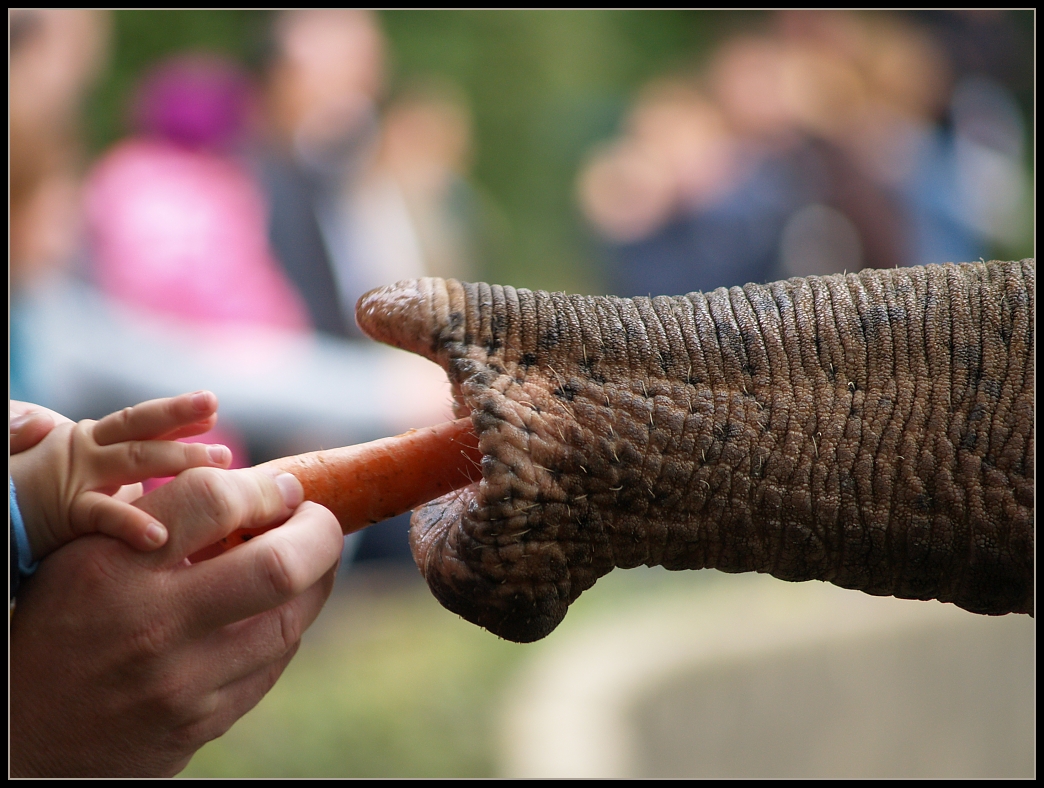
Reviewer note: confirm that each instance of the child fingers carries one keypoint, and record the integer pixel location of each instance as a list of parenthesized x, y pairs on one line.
[(191, 430), (156, 418), (268, 571), (135, 461), (95, 512), (28, 430), (22, 408)]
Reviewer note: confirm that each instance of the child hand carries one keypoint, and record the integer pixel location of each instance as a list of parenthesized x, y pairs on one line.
[(29, 424), (71, 482)]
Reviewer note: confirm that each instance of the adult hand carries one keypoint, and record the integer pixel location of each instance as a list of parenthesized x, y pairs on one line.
[(124, 663)]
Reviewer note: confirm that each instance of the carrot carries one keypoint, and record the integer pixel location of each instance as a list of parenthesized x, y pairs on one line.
[(370, 482)]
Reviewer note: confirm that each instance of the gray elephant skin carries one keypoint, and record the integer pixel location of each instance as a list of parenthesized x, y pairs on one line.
[(872, 430)]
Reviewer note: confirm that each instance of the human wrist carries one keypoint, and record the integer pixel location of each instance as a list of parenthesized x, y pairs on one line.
[(26, 564), (37, 539)]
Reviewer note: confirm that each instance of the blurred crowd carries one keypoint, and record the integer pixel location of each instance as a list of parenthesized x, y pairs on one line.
[(224, 241), (829, 141), (274, 201)]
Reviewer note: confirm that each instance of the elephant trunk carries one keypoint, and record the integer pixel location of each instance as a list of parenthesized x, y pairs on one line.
[(873, 430)]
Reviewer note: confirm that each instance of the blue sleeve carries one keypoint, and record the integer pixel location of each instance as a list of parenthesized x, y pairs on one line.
[(22, 564)]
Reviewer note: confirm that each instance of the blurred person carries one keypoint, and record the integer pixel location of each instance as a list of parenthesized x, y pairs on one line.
[(874, 135), (359, 198), (991, 52), (857, 221), (323, 79), (992, 171), (705, 183), (177, 224), (806, 110), (55, 56), (838, 217), (412, 213), (984, 42), (959, 181), (665, 198)]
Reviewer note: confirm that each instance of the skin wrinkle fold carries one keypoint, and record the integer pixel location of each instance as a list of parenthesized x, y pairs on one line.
[(689, 431), (796, 487), (893, 432), (998, 413), (879, 384), (749, 429), (909, 483), (792, 415), (969, 463), (939, 333), (712, 381), (857, 371), (834, 435), (904, 400), (733, 415), (650, 456), (767, 369), (816, 371), (840, 397), (958, 328), (917, 466), (824, 476), (910, 480), (734, 365)]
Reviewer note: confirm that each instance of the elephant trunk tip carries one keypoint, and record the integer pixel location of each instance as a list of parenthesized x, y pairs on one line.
[(408, 314)]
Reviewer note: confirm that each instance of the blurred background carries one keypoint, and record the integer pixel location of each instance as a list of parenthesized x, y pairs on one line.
[(198, 198)]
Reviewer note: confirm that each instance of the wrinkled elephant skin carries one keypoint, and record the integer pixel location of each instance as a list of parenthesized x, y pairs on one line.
[(873, 430)]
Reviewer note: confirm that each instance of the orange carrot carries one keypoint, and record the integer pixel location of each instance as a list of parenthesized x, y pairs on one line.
[(370, 482)]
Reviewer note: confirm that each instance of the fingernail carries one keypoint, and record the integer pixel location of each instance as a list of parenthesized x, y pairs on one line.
[(201, 400), (219, 454), (290, 487), (18, 421), (156, 534)]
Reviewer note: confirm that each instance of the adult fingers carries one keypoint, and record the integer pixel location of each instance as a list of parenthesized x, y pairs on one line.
[(244, 647), (156, 418), (266, 572), (203, 505), (29, 429), (239, 663), (94, 512), (227, 704)]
